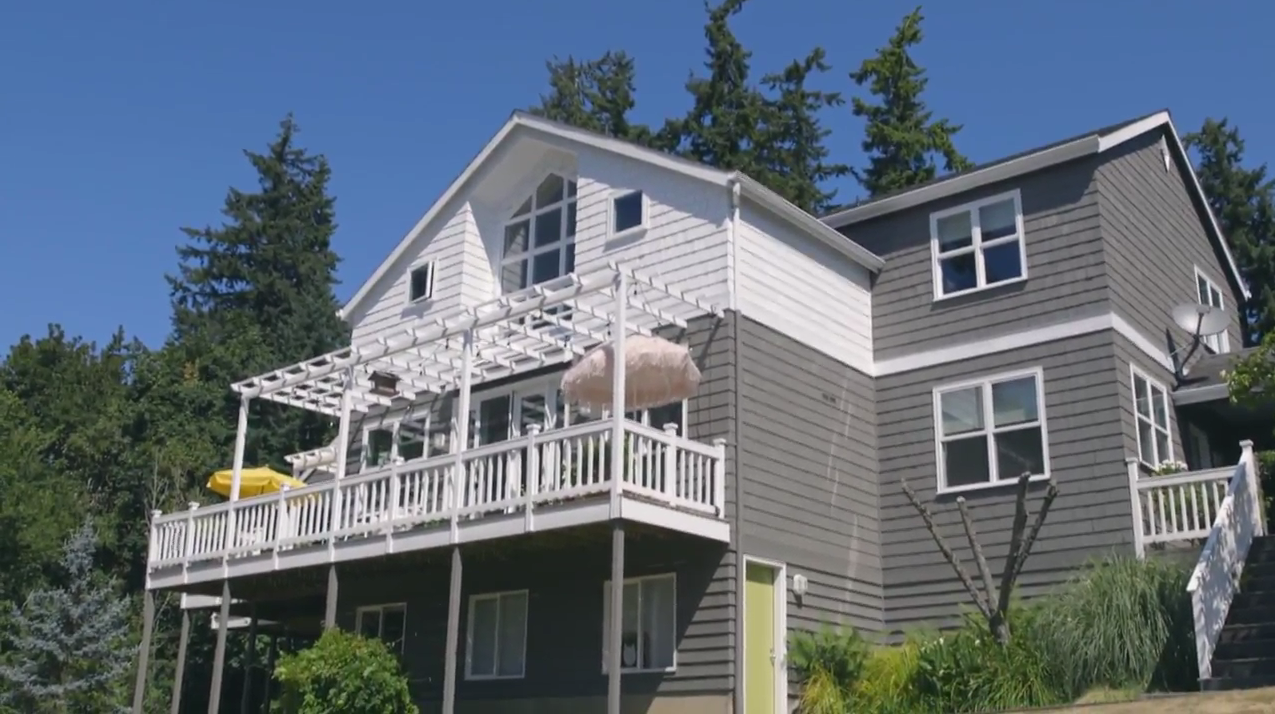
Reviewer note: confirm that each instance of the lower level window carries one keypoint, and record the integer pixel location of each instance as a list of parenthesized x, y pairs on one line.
[(497, 641), (386, 623), (649, 628), (991, 430)]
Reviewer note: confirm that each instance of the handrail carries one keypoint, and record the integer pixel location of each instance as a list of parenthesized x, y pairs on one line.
[(1215, 579)]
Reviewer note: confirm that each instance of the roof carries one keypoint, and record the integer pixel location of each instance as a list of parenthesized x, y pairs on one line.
[(521, 121), (1090, 143), (1206, 379)]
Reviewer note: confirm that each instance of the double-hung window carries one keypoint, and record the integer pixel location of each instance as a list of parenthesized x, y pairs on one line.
[(991, 430), (539, 242), (1210, 295), (1151, 411), (978, 245), (497, 640), (648, 624), (387, 623)]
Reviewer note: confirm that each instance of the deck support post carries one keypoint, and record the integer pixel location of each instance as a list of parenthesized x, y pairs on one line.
[(270, 661), (183, 641), (249, 661), (615, 626), (144, 650), (219, 653), (453, 634), (329, 609)]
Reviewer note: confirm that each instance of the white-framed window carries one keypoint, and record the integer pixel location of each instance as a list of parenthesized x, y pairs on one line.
[(540, 236), (387, 623), (628, 213), (496, 643), (991, 430), (978, 245), (1209, 294), (378, 447), (649, 624), (1151, 412), (422, 436), (420, 282)]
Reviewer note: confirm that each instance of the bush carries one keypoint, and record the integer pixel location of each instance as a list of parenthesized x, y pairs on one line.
[(827, 664), (342, 672)]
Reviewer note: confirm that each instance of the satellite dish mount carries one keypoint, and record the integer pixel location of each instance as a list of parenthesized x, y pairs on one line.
[(1200, 321)]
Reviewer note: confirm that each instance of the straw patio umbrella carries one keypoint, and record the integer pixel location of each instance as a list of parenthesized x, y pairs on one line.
[(656, 372)]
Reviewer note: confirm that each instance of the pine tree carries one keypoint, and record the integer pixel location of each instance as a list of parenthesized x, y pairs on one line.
[(71, 643), (1243, 200), (902, 138), (797, 135)]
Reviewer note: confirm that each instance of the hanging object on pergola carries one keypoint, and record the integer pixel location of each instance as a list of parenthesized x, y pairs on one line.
[(656, 372)]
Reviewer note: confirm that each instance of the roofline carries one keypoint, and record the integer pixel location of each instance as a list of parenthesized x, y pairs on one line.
[(1092, 144), (759, 193)]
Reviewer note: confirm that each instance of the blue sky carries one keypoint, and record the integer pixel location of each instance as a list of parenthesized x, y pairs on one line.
[(121, 122)]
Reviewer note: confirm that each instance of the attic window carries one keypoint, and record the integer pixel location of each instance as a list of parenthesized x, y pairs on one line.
[(421, 283)]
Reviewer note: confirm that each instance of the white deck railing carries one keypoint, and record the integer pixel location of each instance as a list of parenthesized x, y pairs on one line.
[(1177, 507), (518, 475)]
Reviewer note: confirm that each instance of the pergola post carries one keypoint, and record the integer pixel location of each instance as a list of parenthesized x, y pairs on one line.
[(334, 524), (615, 626), (144, 650), (458, 482), (183, 642), (453, 634), (219, 653), (236, 472)]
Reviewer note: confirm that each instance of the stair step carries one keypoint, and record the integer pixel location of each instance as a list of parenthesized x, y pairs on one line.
[(1228, 684), (1258, 614), (1257, 582), (1241, 668), (1247, 599), (1236, 632), (1240, 649)]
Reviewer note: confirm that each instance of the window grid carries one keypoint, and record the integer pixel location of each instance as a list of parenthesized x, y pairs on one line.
[(1151, 414), (989, 431), (367, 615), (642, 584), (502, 601), (537, 206), (979, 245), (1208, 293)]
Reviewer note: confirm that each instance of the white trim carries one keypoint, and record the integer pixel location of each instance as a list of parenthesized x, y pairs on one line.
[(380, 610), (989, 430), (977, 244), (469, 634), (1197, 395), (1220, 342), (432, 275), (606, 605), (781, 631), (1136, 373), (631, 231), (825, 233)]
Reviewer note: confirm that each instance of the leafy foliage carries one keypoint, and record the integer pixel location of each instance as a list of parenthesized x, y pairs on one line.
[(342, 672), (827, 663), (71, 643)]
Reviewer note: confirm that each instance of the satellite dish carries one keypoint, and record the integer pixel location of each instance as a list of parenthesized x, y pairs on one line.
[(1201, 320)]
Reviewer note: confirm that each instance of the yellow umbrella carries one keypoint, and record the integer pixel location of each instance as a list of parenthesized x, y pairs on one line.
[(252, 482)]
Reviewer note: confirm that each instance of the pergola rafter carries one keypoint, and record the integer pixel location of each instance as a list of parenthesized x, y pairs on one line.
[(550, 323)]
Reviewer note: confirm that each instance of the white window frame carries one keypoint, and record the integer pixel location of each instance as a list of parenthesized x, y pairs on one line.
[(606, 606), (977, 245), (1220, 342), (380, 611), (989, 430), (1138, 420), (567, 238), (432, 267), (641, 227), (469, 634)]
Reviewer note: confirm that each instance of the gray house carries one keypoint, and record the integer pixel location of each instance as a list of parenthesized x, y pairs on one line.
[(1017, 317)]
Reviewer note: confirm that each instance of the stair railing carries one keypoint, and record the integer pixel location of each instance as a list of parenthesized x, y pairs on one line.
[(1216, 577)]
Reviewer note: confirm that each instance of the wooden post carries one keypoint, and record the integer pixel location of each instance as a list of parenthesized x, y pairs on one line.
[(270, 660), (182, 642), (144, 651), (219, 653), (457, 486), (1135, 500), (617, 391), (249, 660), (453, 635), (616, 624), (329, 610), (236, 473), (342, 463)]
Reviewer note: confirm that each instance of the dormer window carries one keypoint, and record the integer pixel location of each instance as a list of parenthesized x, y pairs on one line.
[(539, 243), (628, 213), (978, 245), (420, 283)]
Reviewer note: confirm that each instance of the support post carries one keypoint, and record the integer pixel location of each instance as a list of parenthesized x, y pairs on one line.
[(453, 634), (236, 472), (1135, 500), (270, 660), (249, 661), (615, 626), (458, 482), (618, 329), (342, 462), (219, 653), (329, 610), (183, 641), (1254, 484), (144, 651)]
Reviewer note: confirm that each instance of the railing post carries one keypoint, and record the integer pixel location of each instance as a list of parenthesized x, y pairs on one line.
[(1135, 500), (531, 475), (719, 477), (1255, 486), (152, 548), (458, 478), (280, 523), (618, 388), (188, 549), (671, 477)]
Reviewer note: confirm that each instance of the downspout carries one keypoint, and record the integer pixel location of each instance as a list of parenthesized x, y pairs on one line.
[(737, 535)]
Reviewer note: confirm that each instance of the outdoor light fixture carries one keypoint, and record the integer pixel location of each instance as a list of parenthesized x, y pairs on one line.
[(384, 384)]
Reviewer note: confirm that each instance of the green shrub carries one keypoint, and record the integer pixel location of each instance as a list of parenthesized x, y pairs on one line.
[(342, 672), (887, 684), (1121, 623), (826, 665)]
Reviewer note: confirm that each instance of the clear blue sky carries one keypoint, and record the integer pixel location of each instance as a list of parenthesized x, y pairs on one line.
[(121, 122)]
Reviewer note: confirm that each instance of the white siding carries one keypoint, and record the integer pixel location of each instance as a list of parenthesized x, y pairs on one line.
[(803, 289)]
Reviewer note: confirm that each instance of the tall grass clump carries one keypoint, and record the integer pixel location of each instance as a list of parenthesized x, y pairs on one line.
[(1121, 623), (827, 664)]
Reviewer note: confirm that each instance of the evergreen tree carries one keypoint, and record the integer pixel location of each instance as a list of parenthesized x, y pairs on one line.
[(267, 273), (71, 647), (902, 137), (1243, 200)]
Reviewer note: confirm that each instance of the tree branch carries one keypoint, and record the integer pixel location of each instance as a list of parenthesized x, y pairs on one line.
[(1015, 543), (983, 605), (979, 560), (1026, 549)]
